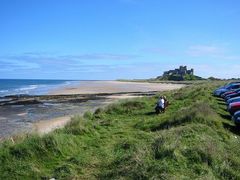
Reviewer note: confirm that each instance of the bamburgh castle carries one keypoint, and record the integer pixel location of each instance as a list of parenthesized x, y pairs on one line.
[(181, 71)]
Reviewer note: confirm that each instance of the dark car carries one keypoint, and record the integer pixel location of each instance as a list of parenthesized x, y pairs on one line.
[(230, 92), (236, 118), (232, 100), (232, 96), (215, 93), (229, 87), (233, 107)]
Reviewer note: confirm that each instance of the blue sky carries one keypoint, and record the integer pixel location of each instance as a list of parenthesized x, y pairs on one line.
[(112, 39)]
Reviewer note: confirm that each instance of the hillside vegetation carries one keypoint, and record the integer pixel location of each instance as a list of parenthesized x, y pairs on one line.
[(187, 77), (194, 138)]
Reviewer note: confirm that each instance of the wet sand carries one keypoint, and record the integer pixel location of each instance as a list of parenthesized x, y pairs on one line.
[(44, 126)]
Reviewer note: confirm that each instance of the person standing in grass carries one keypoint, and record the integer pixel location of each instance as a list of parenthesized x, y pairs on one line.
[(166, 103), (160, 105)]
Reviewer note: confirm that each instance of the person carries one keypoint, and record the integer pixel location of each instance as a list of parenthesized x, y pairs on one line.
[(166, 103), (160, 105)]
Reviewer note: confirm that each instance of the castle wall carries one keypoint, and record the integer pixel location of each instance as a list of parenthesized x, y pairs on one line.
[(181, 71)]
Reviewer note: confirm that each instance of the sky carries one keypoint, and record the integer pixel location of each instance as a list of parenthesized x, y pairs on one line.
[(118, 39)]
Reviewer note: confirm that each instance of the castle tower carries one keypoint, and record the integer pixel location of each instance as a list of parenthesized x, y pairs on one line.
[(192, 71), (183, 70)]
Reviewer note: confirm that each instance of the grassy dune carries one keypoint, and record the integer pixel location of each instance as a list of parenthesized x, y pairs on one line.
[(194, 138)]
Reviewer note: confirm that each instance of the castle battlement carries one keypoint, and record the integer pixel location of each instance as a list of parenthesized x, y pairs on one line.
[(182, 70)]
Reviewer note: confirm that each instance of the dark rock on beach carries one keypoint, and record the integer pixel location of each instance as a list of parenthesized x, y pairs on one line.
[(73, 98)]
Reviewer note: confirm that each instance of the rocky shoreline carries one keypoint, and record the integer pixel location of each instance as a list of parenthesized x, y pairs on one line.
[(42, 113), (69, 98)]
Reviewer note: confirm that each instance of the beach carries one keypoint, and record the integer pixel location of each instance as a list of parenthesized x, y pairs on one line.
[(95, 87), (114, 90), (42, 114)]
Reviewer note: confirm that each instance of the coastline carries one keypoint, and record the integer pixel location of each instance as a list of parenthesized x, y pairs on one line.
[(54, 110), (116, 90), (96, 87)]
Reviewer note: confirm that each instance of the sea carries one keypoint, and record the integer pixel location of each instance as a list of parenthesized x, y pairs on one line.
[(31, 86), (17, 119)]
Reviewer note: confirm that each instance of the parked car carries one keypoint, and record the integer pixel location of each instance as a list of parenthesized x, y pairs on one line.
[(232, 96), (232, 100), (217, 91), (229, 87), (233, 107), (233, 82), (232, 91), (236, 118), (228, 84)]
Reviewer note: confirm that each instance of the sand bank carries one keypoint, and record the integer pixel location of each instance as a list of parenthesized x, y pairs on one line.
[(95, 87), (46, 126)]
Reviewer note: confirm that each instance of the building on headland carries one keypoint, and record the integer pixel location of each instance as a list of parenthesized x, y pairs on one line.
[(181, 71)]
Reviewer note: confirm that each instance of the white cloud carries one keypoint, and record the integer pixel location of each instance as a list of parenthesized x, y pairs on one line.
[(218, 70), (205, 50), (46, 63), (211, 51), (13, 65)]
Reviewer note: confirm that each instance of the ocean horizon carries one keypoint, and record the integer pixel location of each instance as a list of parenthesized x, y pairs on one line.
[(32, 86)]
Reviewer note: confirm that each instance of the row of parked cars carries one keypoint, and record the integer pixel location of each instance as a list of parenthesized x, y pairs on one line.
[(231, 94)]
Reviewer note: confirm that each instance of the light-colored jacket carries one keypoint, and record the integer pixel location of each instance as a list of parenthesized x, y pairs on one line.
[(161, 103)]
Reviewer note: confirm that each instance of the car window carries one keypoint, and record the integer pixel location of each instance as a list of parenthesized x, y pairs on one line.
[(236, 86)]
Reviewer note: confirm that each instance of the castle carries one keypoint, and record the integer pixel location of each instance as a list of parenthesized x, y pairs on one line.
[(181, 71)]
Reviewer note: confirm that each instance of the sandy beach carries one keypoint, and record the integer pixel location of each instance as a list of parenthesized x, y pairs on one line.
[(46, 126), (95, 87)]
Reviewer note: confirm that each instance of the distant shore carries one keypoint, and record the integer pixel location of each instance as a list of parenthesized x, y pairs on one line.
[(94, 87)]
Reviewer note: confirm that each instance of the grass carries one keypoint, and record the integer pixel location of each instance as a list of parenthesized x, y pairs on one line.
[(155, 80), (193, 139)]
